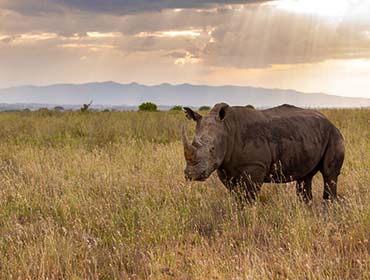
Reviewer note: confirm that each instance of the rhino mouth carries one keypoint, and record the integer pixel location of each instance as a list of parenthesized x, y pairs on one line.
[(192, 177), (199, 179)]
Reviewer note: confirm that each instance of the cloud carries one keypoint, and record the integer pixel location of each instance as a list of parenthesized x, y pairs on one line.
[(118, 7), (103, 34), (77, 22), (184, 57), (263, 37), (32, 7), (131, 40), (171, 33), (240, 36)]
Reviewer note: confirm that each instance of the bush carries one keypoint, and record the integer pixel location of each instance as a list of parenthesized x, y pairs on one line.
[(148, 106), (45, 112), (58, 109), (176, 108), (204, 108)]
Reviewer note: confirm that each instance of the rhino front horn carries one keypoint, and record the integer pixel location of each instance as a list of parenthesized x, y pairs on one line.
[(189, 150)]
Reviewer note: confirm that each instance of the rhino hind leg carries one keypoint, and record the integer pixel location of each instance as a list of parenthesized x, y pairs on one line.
[(331, 166), (304, 188), (330, 188)]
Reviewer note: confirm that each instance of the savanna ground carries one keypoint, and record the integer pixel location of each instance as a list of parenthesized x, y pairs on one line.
[(102, 196)]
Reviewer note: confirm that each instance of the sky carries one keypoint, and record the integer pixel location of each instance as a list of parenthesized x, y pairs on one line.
[(306, 45)]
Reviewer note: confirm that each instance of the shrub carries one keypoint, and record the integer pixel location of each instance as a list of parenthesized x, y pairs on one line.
[(176, 108), (204, 108), (44, 112), (58, 109), (148, 106)]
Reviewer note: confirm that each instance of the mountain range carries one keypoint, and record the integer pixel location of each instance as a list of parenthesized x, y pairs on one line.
[(128, 95)]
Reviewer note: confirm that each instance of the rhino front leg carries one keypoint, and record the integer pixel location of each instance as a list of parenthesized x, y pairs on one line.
[(251, 181), (250, 184), (233, 185), (246, 186), (244, 190), (251, 191), (253, 178)]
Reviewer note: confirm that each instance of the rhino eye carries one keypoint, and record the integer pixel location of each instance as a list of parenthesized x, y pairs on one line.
[(212, 149), (196, 144)]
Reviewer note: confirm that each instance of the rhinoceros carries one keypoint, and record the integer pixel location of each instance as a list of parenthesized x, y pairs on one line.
[(249, 147)]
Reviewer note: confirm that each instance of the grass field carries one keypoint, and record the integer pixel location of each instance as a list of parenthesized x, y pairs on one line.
[(102, 196)]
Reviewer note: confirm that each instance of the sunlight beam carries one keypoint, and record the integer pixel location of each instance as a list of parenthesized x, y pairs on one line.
[(330, 8)]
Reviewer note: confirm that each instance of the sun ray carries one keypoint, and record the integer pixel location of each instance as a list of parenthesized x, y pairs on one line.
[(328, 8)]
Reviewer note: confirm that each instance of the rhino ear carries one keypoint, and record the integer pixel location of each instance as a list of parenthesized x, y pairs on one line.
[(191, 115), (222, 111)]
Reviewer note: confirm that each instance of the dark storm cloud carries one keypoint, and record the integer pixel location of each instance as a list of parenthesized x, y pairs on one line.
[(32, 7), (120, 7)]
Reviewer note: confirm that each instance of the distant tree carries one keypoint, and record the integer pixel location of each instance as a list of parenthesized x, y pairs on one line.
[(204, 108), (26, 110), (58, 109), (148, 106), (45, 112), (106, 110), (250, 106), (85, 107), (176, 108)]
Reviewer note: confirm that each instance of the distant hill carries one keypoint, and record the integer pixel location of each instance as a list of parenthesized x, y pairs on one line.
[(128, 95)]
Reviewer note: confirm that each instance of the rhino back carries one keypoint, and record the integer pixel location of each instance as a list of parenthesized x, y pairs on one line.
[(288, 141)]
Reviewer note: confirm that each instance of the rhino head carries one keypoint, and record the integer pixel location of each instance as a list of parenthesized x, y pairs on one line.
[(207, 150)]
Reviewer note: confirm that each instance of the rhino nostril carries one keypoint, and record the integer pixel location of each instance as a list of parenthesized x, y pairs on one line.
[(187, 175)]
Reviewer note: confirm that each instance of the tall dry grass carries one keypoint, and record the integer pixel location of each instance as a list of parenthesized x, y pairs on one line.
[(102, 196)]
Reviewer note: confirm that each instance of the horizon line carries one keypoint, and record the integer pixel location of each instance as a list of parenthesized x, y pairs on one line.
[(180, 84)]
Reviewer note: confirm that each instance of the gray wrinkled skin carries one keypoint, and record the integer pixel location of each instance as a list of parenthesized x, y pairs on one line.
[(248, 147)]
